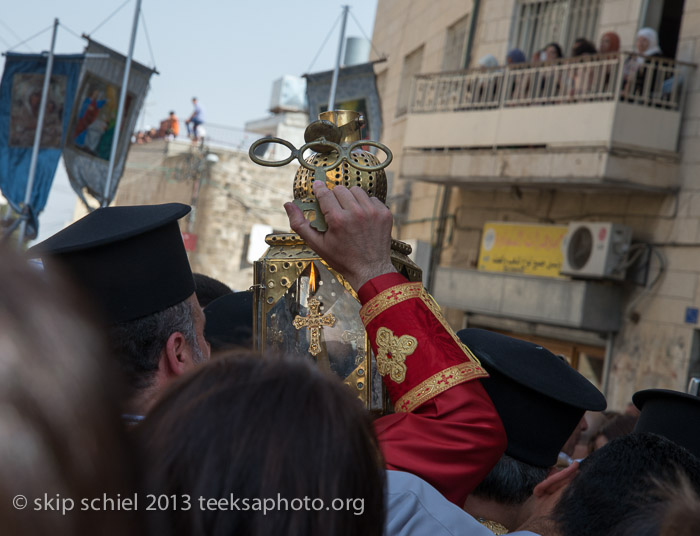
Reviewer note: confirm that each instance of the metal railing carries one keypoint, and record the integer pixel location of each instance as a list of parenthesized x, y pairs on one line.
[(646, 81)]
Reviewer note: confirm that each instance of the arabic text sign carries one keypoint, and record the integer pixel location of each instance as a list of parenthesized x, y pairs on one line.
[(522, 248)]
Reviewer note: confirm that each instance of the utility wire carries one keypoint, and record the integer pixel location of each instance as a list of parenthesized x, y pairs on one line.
[(3, 40), (32, 37), (148, 39), (365, 36), (324, 43), (14, 34), (69, 30), (109, 17)]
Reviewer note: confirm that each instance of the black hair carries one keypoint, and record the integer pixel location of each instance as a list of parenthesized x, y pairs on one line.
[(556, 47), (510, 481), (208, 289), (137, 344), (267, 428), (611, 488), (583, 46)]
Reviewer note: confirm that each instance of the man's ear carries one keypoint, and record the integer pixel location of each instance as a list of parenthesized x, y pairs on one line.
[(176, 353), (556, 481)]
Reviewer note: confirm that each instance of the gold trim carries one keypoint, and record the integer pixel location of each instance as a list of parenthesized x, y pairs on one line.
[(438, 383), (406, 291), (399, 348), (494, 526), (388, 298)]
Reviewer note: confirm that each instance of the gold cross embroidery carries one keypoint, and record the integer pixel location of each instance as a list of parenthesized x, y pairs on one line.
[(314, 322), (392, 352)]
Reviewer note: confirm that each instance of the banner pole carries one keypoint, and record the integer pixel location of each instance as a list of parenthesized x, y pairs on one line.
[(334, 80), (120, 109), (37, 137)]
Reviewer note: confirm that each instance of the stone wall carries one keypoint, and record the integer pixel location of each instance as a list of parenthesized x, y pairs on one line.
[(234, 194)]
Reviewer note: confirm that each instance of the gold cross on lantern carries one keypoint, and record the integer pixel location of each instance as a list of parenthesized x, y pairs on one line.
[(314, 322)]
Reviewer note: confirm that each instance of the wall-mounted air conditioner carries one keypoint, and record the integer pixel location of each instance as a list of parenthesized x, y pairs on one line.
[(596, 250)]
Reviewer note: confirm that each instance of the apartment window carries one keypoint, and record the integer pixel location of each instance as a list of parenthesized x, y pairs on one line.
[(455, 45), (538, 22), (411, 67)]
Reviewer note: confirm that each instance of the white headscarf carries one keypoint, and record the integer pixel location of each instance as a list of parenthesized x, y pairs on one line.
[(650, 35), (488, 61)]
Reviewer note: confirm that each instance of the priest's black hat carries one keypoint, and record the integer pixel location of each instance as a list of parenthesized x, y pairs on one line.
[(130, 260), (671, 414), (230, 321), (538, 396)]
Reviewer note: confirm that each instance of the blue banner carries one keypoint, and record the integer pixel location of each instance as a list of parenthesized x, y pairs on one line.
[(20, 97)]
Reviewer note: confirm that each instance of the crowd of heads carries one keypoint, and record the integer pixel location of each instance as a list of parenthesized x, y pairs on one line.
[(646, 44)]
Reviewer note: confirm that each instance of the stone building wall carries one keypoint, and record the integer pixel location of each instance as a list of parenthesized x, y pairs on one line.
[(655, 347), (234, 194)]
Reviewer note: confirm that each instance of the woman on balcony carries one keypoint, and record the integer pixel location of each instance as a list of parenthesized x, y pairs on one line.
[(642, 70)]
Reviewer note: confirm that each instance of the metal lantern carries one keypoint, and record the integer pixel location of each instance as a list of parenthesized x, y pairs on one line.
[(301, 305)]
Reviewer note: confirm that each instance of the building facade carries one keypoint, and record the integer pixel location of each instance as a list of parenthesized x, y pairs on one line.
[(541, 148), (235, 202)]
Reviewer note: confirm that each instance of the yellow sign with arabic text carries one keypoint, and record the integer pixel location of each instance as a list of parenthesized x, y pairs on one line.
[(522, 248)]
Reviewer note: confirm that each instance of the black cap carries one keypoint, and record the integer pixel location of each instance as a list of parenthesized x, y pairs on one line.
[(538, 396), (131, 260), (230, 321), (671, 414)]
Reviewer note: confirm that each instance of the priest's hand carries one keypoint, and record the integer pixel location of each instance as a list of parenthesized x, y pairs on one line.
[(357, 243)]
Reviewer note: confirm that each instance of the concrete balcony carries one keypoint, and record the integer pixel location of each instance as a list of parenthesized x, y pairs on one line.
[(585, 305), (570, 124)]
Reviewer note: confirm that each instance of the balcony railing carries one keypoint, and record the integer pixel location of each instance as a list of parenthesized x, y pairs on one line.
[(646, 81)]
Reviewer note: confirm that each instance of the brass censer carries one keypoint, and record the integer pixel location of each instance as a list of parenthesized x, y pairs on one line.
[(301, 305)]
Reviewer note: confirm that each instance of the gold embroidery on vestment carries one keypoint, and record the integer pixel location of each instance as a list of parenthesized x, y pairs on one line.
[(438, 383), (392, 352)]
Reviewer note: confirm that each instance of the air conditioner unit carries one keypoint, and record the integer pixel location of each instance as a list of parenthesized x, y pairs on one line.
[(596, 250)]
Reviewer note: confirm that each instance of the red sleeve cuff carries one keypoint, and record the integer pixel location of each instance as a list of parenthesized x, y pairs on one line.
[(379, 284)]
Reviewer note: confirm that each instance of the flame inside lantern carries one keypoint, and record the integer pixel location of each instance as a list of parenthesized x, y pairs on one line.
[(312, 280)]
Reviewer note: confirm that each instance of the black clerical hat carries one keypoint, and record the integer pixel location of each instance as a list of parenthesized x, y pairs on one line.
[(671, 414), (130, 260), (538, 396), (230, 321)]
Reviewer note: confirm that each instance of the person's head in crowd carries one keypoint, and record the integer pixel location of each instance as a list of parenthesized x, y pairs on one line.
[(208, 289), (60, 432), (594, 420), (616, 426), (273, 429), (131, 262), (647, 42), (613, 487), (583, 46), (541, 401), (676, 512), (488, 61), (553, 52), (230, 321), (669, 414), (538, 56), (515, 56), (609, 42)]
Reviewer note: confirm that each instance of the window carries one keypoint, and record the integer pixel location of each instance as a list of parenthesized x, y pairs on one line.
[(538, 22), (455, 45), (411, 67)]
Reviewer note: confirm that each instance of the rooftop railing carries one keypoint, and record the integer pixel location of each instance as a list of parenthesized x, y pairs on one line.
[(644, 81)]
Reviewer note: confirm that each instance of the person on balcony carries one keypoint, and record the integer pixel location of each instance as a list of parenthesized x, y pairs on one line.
[(609, 45), (583, 77), (551, 80), (642, 69), (515, 56)]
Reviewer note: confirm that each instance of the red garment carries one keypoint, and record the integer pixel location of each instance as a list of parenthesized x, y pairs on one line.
[(446, 430)]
